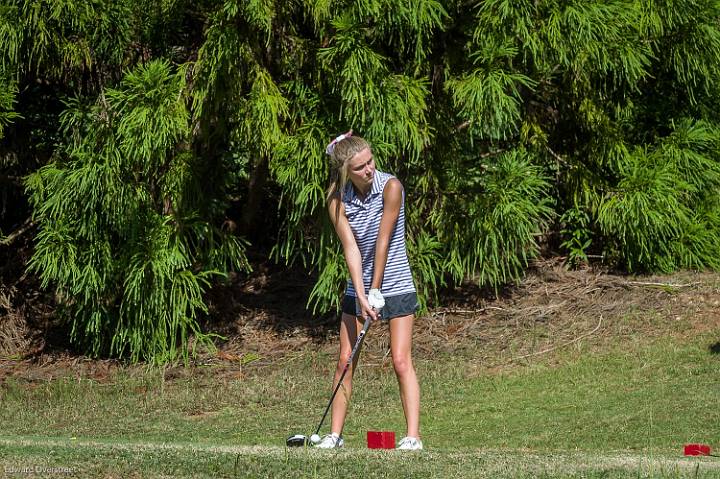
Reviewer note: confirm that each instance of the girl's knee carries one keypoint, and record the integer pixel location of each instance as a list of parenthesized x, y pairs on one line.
[(342, 361), (403, 364)]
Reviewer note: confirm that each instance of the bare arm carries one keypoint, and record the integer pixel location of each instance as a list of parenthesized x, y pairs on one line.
[(392, 199), (351, 252)]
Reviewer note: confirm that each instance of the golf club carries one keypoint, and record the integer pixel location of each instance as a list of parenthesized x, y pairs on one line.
[(299, 440)]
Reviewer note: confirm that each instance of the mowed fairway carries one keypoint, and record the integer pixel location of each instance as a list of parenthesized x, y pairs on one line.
[(619, 403), (144, 459)]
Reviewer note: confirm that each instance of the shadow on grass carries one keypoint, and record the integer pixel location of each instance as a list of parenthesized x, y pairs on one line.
[(714, 348)]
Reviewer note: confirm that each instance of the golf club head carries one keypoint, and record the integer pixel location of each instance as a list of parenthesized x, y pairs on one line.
[(298, 440)]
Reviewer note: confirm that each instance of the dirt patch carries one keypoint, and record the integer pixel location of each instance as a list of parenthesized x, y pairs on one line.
[(553, 307), (264, 322), (550, 306)]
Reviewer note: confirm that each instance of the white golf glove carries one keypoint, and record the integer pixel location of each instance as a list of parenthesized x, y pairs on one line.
[(376, 300)]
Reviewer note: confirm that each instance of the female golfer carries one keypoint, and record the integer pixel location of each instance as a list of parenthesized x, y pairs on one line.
[(367, 208)]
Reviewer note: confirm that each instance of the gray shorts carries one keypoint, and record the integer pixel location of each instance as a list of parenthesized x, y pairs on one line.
[(400, 305)]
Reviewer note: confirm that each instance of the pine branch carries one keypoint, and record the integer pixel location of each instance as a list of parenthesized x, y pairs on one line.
[(559, 158), (9, 239), (15, 180), (668, 285)]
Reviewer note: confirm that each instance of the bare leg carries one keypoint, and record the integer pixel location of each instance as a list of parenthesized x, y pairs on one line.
[(349, 327), (401, 349)]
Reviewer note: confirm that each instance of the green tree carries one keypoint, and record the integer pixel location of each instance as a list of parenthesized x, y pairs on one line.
[(584, 127), (125, 236)]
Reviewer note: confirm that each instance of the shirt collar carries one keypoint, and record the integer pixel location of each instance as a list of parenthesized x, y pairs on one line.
[(375, 189)]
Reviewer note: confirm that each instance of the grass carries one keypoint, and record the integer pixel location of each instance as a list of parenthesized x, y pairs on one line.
[(621, 411), (123, 459)]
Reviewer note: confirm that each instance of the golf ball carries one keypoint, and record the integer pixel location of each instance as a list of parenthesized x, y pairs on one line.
[(315, 439)]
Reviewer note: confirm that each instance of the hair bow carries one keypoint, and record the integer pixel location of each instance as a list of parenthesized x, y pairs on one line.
[(329, 149)]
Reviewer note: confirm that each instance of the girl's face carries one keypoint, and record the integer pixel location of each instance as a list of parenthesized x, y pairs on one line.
[(361, 170)]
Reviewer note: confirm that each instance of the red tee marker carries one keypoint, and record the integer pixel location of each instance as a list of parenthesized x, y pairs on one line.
[(381, 439), (697, 450)]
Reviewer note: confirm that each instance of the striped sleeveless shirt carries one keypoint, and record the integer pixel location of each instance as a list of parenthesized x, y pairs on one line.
[(364, 217)]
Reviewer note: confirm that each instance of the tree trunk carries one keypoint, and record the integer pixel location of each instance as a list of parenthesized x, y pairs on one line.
[(252, 220)]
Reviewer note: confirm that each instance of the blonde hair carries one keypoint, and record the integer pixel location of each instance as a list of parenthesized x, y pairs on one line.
[(340, 156)]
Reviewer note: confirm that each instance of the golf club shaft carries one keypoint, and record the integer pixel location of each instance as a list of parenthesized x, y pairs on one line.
[(355, 348)]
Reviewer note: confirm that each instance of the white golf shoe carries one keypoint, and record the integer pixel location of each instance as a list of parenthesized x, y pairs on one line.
[(410, 444), (330, 441)]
